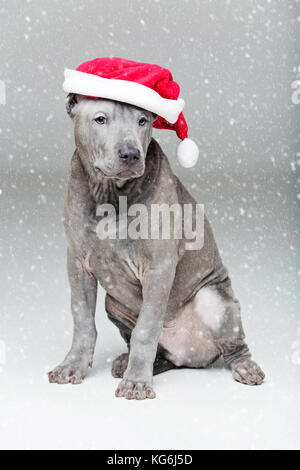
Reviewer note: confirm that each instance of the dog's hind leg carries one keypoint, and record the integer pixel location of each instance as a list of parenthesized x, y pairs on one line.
[(160, 365), (119, 365), (231, 340)]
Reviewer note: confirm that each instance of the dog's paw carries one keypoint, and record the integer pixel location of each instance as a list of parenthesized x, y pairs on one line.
[(69, 372), (135, 390), (119, 365), (247, 372)]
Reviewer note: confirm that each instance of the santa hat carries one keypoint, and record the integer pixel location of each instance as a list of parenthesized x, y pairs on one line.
[(147, 86)]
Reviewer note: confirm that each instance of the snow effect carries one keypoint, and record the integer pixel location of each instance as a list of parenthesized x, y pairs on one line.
[(235, 66)]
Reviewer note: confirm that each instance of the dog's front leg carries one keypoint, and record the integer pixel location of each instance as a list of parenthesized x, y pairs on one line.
[(138, 378), (83, 303)]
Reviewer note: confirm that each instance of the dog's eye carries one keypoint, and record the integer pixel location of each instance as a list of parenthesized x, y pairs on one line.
[(142, 121), (101, 120)]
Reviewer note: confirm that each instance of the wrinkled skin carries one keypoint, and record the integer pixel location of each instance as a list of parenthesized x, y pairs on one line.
[(174, 307), (99, 137)]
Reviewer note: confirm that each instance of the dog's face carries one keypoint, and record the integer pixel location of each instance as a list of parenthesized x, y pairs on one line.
[(112, 137)]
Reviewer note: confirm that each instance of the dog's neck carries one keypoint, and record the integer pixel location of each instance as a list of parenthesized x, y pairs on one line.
[(108, 190)]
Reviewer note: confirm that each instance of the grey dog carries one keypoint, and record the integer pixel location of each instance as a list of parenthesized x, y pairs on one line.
[(174, 307)]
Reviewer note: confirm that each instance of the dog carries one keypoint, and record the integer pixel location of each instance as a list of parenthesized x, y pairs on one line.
[(174, 307)]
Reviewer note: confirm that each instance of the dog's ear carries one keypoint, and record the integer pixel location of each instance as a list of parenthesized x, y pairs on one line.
[(72, 103), (154, 116)]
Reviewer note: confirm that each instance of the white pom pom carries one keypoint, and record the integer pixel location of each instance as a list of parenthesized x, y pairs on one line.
[(187, 153)]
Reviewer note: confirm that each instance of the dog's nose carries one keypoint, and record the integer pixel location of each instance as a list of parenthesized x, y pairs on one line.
[(129, 154)]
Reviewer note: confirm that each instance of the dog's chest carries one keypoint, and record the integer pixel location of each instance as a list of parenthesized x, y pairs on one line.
[(114, 264)]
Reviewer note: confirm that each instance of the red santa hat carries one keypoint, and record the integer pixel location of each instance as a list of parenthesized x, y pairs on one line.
[(147, 86)]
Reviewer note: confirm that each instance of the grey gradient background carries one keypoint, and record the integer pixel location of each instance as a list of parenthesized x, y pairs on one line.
[(235, 62)]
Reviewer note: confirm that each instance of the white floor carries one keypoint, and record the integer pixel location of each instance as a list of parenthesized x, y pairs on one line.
[(194, 409)]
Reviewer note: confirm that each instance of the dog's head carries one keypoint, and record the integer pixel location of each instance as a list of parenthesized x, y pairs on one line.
[(112, 137)]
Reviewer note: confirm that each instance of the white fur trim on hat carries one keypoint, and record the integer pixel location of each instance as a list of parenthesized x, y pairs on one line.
[(187, 153), (122, 90)]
